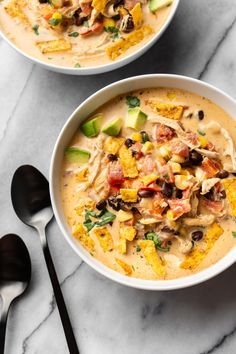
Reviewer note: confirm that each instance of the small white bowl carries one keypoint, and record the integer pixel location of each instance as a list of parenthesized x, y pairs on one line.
[(92, 70), (82, 112)]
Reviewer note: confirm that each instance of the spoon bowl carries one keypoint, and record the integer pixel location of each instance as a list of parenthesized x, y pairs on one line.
[(15, 275)]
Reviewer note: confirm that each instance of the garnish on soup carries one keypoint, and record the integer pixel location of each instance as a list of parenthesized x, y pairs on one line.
[(148, 184)]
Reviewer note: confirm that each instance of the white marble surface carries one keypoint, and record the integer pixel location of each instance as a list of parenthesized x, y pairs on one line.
[(110, 318)]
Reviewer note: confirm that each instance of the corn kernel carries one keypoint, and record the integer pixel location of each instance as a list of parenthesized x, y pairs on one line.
[(203, 141), (177, 158), (147, 147), (164, 151), (170, 214), (176, 167), (137, 137), (108, 22), (57, 16), (181, 182)]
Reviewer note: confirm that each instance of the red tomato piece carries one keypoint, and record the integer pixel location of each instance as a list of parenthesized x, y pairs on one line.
[(163, 133), (179, 148), (115, 174)]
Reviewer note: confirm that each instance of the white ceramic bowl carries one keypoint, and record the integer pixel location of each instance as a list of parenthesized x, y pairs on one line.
[(82, 112), (102, 68)]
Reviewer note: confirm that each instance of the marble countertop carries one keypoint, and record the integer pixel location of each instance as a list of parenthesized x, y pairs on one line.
[(107, 317)]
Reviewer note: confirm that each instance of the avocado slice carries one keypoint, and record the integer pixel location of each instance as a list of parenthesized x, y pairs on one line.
[(155, 5), (113, 128), (92, 127), (76, 155), (136, 118)]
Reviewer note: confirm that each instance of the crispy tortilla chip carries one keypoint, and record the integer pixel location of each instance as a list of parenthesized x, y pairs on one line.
[(149, 179), (166, 110), (104, 238), (113, 144), (85, 203), (129, 195), (82, 235), (127, 232), (125, 266), (122, 45), (151, 255), (196, 256), (137, 15), (99, 5), (122, 246), (230, 188), (14, 9), (58, 45), (128, 162)]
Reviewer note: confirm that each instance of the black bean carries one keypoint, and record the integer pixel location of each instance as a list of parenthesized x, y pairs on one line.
[(195, 158), (43, 1), (101, 204), (210, 195), (167, 189), (197, 235), (200, 115), (145, 136), (223, 174), (223, 194), (143, 193), (168, 230), (129, 142), (114, 203), (178, 193), (112, 157)]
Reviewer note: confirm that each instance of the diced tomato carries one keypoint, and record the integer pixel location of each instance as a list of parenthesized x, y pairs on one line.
[(115, 174), (210, 167), (147, 164), (192, 138), (86, 9), (96, 28), (129, 4), (210, 146), (136, 148), (158, 207), (215, 206), (163, 133), (166, 173), (179, 206), (179, 148)]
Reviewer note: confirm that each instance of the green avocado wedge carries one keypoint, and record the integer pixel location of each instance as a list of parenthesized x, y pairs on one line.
[(135, 118), (75, 155), (92, 127), (113, 128), (155, 5)]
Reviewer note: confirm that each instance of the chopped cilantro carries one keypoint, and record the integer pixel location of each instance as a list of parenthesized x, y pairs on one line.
[(116, 17), (200, 132), (73, 34), (234, 234), (111, 29), (77, 65), (153, 236), (54, 21), (138, 248), (86, 23), (35, 28), (132, 101), (105, 217)]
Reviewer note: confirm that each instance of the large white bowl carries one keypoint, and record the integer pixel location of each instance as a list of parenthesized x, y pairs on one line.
[(102, 68), (82, 112)]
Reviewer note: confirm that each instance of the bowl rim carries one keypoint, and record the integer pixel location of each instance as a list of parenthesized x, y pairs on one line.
[(93, 70), (144, 284)]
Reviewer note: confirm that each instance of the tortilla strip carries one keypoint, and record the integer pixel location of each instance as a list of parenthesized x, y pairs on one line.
[(122, 45), (82, 235), (128, 162), (166, 110), (151, 255), (99, 5), (58, 45), (104, 238), (14, 9), (125, 266), (196, 256)]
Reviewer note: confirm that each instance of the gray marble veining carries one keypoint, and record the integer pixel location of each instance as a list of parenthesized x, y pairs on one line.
[(107, 317)]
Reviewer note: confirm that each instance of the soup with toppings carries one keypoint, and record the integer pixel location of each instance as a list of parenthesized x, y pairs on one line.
[(82, 33), (148, 185)]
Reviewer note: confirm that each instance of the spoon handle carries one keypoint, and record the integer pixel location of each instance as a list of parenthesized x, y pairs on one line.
[(3, 325), (71, 341)]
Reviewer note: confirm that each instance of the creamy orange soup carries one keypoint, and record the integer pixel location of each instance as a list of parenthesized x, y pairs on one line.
[(153, 195), (81, 33)]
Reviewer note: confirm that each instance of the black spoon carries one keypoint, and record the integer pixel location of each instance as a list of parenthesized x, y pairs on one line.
[(15, 275), (32, 204)]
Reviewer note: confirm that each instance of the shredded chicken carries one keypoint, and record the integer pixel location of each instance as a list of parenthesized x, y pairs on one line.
[(208, 184), (201, 220)]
